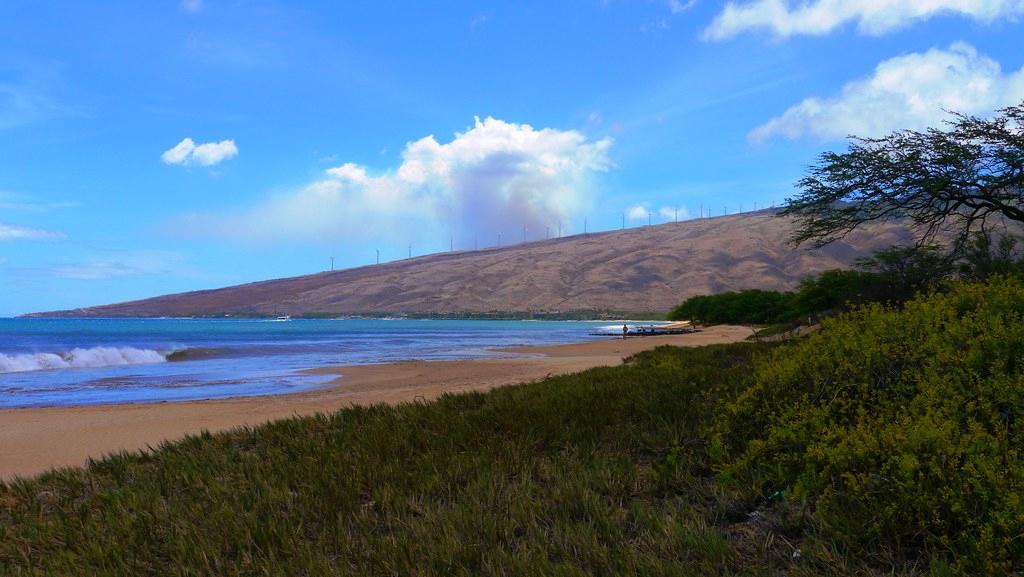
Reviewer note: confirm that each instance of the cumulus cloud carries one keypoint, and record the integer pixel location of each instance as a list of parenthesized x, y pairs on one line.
[(11, 232), (496, 177), (349, 171), (638, 212), (907, 92), (188, 153), (785, 18), (643, 212)]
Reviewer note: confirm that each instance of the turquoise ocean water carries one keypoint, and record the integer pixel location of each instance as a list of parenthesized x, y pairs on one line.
[(46, 362)]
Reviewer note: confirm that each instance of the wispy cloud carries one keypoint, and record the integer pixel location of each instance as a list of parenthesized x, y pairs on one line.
[(785, 18), (478, 21), (675, 7), (192, 6), (233, 49), (911, 91), (495, 177), (122, 264), (12, 232), (678, 6), (25, 203), (673, 213), (188, 153), (30, 95)]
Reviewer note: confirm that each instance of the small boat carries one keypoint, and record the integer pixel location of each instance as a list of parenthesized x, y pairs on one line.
[(284, 318)]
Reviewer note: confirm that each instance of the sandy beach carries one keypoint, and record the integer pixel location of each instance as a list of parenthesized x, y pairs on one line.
[(34, 440)]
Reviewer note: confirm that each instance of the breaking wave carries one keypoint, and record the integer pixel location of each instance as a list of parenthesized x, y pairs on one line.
[(195, 354), (79, 358)]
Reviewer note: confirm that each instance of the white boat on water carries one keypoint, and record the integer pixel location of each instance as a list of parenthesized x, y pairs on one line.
[(284, 318)]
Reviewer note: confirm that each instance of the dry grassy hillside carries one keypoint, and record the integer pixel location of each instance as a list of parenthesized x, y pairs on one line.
[(638, 269)]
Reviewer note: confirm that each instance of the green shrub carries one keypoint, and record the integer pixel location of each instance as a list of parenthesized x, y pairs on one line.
[(903, 429), (986, 256), (835, 290), (748, 306)]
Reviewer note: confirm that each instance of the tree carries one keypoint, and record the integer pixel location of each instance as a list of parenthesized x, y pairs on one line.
[(748, 306), (984, 257), (944, 182), (904, 271), (834, 290)]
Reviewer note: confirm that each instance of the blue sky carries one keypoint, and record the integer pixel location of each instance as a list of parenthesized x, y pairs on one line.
[(156, 147)]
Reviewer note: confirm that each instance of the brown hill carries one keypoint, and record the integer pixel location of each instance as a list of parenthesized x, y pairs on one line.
[(639, 269)]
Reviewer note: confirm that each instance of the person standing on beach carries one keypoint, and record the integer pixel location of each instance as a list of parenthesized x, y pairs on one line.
[(625, 331)]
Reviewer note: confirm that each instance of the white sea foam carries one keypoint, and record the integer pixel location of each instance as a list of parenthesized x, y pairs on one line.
[(613, 328), (79, 358)]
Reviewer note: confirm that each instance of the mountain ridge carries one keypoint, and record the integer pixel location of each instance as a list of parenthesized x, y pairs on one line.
[(649, 268)]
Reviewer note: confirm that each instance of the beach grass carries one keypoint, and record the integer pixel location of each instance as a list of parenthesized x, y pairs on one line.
[(597, 473)]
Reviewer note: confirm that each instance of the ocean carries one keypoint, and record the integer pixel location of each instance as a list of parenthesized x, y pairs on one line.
[(64, 362)]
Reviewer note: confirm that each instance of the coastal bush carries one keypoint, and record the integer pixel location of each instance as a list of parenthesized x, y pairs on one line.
[(612, 471), (899, 273), (892, 275), (986, 256), (835, 290), (739, 307), (901, 429)]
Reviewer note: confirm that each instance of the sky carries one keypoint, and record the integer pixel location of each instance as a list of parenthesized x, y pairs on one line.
[(157, 147)]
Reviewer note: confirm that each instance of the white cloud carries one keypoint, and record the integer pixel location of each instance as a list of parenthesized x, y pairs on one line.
[(349, 171), (478, 21), (785, 18), (642, 212), (678, 6), (496, 177), (671, 213), (31, 92), (24, 105), (23, 203), (638, 212), (131, 263), (188, 153), (11, 232), (94, 270), (191, 6), (907, 92)]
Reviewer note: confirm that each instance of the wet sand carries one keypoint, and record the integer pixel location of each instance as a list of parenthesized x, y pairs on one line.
[(34, 440)]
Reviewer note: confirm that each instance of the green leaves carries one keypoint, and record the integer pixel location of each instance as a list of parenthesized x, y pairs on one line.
[(904, 428), (951, 180), (748, 306)]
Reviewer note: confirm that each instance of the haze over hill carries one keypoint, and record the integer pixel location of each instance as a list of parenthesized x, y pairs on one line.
[(637, 269)]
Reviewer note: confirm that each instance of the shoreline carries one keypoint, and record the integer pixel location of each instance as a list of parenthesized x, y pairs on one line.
[(36, 439)]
